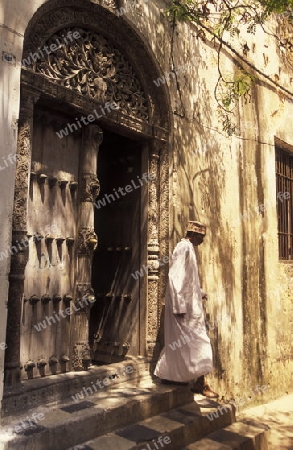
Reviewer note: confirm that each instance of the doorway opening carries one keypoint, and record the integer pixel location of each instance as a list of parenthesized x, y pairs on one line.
[(116, 317)]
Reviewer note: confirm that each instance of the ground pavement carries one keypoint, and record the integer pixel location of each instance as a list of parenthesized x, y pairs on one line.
[(278, 415)]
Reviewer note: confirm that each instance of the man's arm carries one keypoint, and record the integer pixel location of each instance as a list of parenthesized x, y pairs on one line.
[(179, 280)]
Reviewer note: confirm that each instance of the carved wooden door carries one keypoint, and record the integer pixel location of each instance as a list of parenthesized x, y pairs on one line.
[(57, 288), (52, 230), (115, 317)]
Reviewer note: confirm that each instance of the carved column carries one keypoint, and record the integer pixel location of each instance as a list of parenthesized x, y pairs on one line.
[(153, 251), (19, 253), (164, 214), (87, 242)]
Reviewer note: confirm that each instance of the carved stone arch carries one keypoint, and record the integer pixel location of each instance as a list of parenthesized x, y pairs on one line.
[(148, 117), (56, 15)]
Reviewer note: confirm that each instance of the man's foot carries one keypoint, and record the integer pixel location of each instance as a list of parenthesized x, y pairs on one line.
[(207, 392), (201, 387), (180, 383)]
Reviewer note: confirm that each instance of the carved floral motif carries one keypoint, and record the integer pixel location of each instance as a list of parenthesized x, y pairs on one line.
[(111, 4), (87, 241), (80, 356), (93, 67), (21, 181), (85, 297), (90, 187)]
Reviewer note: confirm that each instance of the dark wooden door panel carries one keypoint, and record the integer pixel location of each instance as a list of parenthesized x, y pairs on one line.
[(115, 323)]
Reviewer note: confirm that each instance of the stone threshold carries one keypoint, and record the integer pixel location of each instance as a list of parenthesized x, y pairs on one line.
[(74, 421), (57, 388)]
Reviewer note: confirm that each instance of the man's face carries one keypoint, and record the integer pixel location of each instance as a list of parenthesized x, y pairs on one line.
[(196, 239)]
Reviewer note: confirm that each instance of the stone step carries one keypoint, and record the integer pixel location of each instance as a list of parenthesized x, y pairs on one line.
[(239, 435), (73, 422), (60, 387), (208, 444), (170, 430)]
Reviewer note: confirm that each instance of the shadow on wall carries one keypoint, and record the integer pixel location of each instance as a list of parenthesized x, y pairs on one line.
[(204, 170)]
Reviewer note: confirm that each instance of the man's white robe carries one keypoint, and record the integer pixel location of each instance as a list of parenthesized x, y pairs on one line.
[(187, 353)]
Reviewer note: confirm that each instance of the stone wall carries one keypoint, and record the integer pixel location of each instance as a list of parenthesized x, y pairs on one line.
[(224, 181), (11, 47), (215, 179)]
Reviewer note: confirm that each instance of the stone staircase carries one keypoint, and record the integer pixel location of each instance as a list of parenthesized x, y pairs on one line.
[(128, 414)]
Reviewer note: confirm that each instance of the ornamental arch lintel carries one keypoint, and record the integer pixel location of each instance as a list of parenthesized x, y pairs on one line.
[(113, 35)]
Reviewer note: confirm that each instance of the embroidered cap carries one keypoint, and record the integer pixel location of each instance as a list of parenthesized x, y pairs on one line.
[(196, 227)]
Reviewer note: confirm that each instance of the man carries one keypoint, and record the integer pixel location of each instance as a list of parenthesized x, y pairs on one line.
[(187, 354)]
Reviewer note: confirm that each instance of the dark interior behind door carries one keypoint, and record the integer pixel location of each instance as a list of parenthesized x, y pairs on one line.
[(115, 316)]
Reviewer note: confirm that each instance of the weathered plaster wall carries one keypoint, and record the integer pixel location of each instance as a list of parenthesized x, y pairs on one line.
[(11, 42), (215, 179)]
